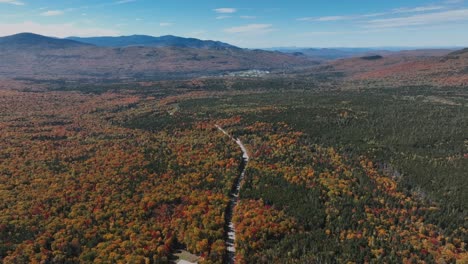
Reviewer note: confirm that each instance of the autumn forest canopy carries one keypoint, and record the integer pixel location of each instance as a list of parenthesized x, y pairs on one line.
[(135, 172)]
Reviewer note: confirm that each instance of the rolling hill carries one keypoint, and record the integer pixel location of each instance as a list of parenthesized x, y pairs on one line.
[(329, 53), (440, 67)]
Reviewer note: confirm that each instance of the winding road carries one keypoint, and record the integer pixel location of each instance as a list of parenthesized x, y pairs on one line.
[(233, 199)]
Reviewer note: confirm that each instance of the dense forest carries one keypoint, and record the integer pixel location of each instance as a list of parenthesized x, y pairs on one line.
[(133, 172)]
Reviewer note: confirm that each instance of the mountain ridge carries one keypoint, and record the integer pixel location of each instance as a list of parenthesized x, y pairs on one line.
[(31, 40), (151, 41), (421, 67)]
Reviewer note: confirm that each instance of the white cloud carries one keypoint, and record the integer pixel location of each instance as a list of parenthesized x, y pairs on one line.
[(198, 33), (326, 18), (417, 9), (322, 33), (374, 15), (52, 13), (329, 33), (332, 18), (251, 28), (422, 19), (56, 30), (454, 1), (12, 2), (248, 17), (306, 19), (225, 10), (125, 1), (223, 17), (165, 24)]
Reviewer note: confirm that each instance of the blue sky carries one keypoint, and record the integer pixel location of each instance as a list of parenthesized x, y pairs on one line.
[(250, 23)]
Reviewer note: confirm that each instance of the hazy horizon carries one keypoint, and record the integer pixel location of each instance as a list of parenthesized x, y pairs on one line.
[(279, 48)]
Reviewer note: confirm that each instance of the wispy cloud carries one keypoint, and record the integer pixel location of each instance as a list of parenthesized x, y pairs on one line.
[(333, 18), (421, 19), (165, 24), (417, 9), (198, 33), (248, 17), (225, 10), (125, 1), (402, 10), (52, 13), (327, 18), (223, 17), (323, 33), (374, 15), (454, 1), (251, 28), (329, 33), (12, 2)]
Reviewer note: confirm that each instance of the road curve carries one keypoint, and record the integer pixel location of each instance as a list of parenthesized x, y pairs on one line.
[(233, 199)]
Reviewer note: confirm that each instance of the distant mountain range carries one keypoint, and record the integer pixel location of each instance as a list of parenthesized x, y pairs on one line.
[(36, 56), (30, 40), (149, 41), (328, 53)]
